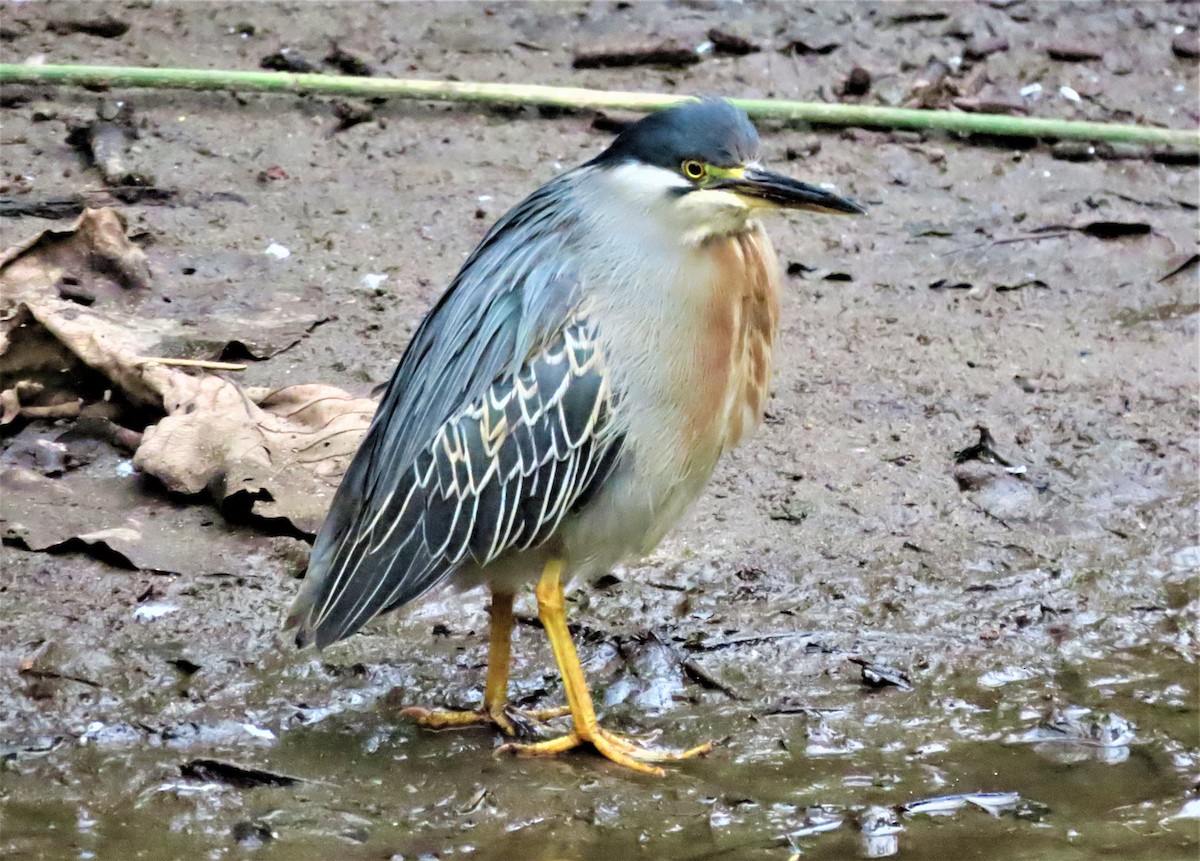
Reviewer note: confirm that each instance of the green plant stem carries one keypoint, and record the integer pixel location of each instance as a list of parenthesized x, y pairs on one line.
[(575, 97)]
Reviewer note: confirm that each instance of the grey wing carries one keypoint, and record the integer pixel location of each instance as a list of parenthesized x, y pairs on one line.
[(509, 301), (498, 475)]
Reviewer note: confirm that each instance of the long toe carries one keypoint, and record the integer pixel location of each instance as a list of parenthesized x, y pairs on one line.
[(644, 753), (544, 714), (510, 720), (562, 744), (439, 719), (610, 745)]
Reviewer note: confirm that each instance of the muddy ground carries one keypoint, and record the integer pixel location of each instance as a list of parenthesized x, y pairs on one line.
[(1043, 615)]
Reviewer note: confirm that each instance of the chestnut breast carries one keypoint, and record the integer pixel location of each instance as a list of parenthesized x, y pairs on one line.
[(738, 325)]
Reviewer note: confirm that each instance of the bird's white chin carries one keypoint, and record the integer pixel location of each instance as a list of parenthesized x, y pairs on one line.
[(669, 203), (712, 212)]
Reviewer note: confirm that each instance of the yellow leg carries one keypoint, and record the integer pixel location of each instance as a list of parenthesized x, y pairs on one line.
[(495, 691), (495, 708), (552, 611)]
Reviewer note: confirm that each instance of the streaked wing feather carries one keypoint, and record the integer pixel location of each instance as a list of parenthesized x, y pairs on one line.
[(511, 295), (509, 300), (499, 475)]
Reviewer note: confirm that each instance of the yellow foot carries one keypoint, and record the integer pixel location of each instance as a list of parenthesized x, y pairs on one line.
[(611, 745), (508, 719)]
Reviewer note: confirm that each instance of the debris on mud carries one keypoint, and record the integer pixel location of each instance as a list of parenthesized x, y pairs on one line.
[(215, 771), (288, 59), (105, 141), (349, 63), (106, 26), (997, 486), (349, 114), (880, 828), (726, 42), (669, 54), (984, 450), (876, 675), (1074, 52), (1186, 45), (981, 46), (857, 83), (805, 45)]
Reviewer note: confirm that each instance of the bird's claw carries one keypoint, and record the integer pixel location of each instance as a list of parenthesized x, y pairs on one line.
[(510, 720), (611, 745)]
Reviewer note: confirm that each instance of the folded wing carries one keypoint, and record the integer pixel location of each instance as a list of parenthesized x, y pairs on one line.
[(500, 475), (497, 421)]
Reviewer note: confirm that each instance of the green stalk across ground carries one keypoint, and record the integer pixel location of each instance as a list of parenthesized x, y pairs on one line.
[(575, 97)]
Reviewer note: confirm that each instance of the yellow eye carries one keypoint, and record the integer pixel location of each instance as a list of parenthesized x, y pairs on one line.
[(693, 169)]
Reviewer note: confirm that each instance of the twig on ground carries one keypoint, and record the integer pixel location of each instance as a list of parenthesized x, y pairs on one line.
[(576, 97)]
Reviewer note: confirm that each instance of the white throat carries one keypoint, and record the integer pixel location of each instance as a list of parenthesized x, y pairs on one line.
[(674, 204)]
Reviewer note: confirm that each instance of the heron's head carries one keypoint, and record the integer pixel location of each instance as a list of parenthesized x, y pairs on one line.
[(697, 163)]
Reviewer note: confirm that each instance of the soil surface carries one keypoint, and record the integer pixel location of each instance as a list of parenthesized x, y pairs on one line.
[(988, 656)]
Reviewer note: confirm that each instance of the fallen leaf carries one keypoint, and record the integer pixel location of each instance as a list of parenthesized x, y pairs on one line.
[(283, 451), (92, 263), (93, 254), (131, 529), (273, 453)]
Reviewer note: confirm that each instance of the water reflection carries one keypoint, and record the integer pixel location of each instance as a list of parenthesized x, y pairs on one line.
[(1075, 734), (880, 829)]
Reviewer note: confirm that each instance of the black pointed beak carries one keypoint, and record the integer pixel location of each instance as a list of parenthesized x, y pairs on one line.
[(787, 193)]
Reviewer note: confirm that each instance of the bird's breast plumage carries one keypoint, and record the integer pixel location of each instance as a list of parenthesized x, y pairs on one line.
[(693, 367), (736, 335)]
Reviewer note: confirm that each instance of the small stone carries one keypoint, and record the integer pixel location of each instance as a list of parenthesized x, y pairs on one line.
[(857, 83), (982, 46), (1073, 151), (1072, 52), (1186, 46), (725, 42), (1118, 62)]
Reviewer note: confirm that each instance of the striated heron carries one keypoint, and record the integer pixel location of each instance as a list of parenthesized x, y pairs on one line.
[(567, 399)]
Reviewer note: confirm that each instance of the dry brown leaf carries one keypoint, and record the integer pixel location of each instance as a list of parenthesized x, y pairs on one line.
[(107, 346), (284, 448), (92, 256), (286, 452), (283, 451), (92, 263), (31, 399)]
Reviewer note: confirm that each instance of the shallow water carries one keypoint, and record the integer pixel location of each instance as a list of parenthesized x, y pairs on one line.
[(375, 788)]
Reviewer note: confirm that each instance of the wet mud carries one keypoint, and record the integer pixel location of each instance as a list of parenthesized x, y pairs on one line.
[(944, 604)]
